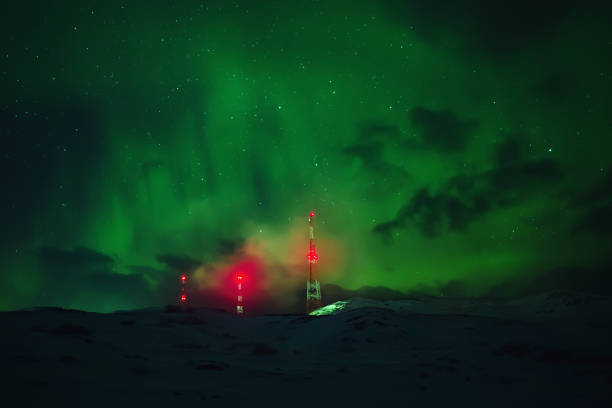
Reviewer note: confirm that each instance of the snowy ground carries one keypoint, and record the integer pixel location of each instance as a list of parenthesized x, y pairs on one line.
[(547, 350)]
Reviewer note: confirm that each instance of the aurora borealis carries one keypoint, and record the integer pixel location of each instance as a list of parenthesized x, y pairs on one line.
[(450, 147)]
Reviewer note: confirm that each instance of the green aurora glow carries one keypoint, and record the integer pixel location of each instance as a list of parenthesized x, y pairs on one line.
[(443, 150)]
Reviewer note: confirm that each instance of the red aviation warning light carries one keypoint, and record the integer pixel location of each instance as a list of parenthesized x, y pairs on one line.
[(183, 278), (312, 255), (312, 214), (183, 298), (239, 276)]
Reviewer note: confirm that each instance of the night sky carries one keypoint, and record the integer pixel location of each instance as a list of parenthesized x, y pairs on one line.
[(453, 148)]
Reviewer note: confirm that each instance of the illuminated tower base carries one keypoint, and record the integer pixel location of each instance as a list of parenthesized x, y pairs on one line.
[(313, 287), (313, 296)]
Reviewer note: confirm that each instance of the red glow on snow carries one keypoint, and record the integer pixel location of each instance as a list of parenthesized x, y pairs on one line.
[(312, 214), (183, 278), (183, 298)]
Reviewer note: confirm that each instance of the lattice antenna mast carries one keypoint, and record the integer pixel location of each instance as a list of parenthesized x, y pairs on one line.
[(240, 300), (313, 287)]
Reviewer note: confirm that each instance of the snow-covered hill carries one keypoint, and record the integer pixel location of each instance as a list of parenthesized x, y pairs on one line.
[(546, 350)]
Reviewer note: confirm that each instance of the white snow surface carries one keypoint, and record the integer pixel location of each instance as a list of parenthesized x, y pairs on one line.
[(545, 350)]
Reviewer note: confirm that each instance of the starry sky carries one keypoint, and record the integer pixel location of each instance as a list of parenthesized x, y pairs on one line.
[(454, 148)]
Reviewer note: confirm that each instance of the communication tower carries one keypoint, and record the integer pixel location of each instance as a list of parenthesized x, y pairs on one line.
[(313, 287)]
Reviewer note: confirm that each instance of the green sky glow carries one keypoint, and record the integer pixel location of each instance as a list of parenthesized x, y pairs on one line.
[(438, 149)]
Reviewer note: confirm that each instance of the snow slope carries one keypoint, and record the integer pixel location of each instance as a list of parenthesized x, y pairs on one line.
[(551, 349)]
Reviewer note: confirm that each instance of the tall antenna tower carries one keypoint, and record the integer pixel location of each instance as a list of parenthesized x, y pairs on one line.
[(313, 287), (239, 299)]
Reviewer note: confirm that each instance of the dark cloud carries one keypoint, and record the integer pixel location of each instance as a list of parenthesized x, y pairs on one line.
[(373, 138), (466, 198), (78, 257), (385, 229), (594, 208), (492, 28), (179, 263), (87, 279), (373, 141), (378, 131), (434, 213), (510, 151), (597, 219), (229, 246), (600, 194), (440, 130), (149, 271), (595, 279), (556, 87), (511, 183), (371, 157)]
